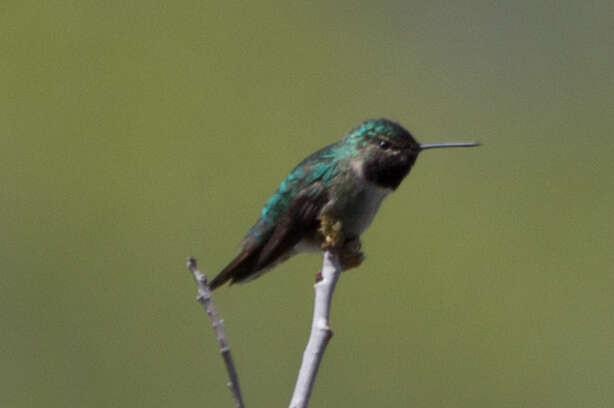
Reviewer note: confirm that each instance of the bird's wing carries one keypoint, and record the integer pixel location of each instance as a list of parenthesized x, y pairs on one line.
[(291, 212), (261, 252), (300, 219)]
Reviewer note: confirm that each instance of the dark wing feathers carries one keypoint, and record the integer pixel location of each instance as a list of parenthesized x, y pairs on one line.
[(299, 219), (240, 267)]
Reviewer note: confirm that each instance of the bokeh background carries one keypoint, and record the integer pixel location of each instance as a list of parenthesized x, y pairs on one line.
[(134, 134)]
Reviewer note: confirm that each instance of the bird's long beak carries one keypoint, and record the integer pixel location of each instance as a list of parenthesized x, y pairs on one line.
[(442, 145)]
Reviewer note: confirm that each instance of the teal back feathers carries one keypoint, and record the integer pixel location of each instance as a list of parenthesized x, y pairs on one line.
[(322, 166)]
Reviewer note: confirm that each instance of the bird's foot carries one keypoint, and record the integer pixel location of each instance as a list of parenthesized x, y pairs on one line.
[(351, 260), (330, 227), (351, 255)]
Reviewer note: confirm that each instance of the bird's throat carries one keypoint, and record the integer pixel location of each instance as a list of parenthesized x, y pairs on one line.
[(388, 172)]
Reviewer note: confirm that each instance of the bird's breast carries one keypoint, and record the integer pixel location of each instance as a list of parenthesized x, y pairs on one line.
[(361, 210), (356, 212)]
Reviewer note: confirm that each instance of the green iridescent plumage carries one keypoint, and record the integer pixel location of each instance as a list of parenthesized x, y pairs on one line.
[(322, 165), (336, 190)]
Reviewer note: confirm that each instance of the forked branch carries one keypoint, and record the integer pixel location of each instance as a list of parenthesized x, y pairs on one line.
[(318, 339)]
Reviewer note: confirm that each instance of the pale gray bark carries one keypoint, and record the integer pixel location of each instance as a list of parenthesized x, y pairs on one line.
[(320, 330), (204, 298)]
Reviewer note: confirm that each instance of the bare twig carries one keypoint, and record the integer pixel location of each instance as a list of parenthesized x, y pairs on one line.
[(320, 331), (204, 298)]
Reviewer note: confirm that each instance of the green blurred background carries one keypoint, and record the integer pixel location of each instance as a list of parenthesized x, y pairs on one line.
[(134, 134)]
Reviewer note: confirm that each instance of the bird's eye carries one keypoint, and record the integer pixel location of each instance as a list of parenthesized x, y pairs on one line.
[(384, 144)]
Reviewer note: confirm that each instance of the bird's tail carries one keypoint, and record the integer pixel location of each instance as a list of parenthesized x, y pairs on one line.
[(243, 267)]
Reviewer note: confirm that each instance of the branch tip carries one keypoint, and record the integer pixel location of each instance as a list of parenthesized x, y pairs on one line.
[(205, 299)]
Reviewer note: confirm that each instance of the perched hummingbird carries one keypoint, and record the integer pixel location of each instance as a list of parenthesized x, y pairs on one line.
[(329, 199)]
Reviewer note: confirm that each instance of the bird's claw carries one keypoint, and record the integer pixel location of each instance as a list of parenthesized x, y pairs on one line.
[(351, 255)]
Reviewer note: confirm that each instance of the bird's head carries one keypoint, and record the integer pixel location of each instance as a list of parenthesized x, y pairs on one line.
[(384, 151)]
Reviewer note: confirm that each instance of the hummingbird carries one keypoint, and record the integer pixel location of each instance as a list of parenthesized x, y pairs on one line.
[(329, 199)]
